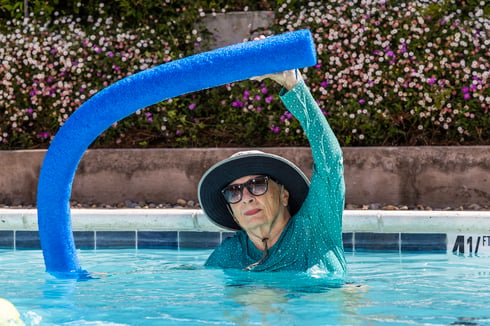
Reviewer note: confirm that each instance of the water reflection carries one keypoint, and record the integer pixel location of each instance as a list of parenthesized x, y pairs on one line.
[(286, 298)]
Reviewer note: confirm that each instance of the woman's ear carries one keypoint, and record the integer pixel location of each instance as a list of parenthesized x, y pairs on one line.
[(285, 197)]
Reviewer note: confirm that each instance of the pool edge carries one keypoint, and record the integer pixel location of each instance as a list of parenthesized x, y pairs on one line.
[(463, 232)]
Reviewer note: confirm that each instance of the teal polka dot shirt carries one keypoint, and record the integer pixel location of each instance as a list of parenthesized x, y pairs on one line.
[(312, 240)]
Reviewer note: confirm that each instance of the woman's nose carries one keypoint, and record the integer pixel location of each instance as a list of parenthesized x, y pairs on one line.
[(247, 196)]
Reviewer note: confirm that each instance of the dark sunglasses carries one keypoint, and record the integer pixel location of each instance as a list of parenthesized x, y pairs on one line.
[(257, 186)]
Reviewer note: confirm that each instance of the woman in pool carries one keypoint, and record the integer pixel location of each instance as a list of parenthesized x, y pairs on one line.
[(284, 223)]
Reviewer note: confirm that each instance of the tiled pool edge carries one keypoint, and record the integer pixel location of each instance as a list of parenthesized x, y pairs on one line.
[(434, 231)]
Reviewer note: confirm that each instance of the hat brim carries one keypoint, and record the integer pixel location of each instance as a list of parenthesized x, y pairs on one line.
[(223, 173)]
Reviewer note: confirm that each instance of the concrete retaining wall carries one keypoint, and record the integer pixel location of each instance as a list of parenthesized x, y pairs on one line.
[(434, 176)]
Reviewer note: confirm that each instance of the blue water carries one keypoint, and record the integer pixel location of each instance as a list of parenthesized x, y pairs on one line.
[(170, 287)]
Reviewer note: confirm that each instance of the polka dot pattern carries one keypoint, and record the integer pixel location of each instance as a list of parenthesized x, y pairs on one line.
[(312, 240)]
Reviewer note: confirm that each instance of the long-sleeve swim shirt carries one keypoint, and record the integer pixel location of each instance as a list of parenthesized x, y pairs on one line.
[(312, 239)]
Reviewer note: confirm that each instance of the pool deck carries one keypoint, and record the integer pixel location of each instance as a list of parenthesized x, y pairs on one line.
[(457, 231)]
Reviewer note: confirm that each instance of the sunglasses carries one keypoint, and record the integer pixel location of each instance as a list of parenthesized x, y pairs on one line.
[(257, 186)]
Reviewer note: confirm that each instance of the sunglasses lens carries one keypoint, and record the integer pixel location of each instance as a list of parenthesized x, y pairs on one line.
[(257, 186), (233, 193)]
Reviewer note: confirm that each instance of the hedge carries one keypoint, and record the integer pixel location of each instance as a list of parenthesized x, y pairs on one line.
[(388, 72)]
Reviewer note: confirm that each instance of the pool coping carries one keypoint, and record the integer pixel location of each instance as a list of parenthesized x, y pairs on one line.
[(460, 232), (380, 221)]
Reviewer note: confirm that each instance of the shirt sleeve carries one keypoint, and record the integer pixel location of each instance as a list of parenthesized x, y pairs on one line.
[(324, 205)]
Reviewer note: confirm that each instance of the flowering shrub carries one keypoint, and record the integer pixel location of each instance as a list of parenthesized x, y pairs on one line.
[(388, 73), (397, 72), (50, 67)]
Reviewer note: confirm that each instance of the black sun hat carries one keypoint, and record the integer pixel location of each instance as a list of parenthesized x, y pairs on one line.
[(242, 164)]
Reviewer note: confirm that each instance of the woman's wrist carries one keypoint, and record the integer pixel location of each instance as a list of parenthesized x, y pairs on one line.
[(291, 79)]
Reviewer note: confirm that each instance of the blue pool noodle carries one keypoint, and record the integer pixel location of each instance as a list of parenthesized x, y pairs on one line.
[(205, 70)]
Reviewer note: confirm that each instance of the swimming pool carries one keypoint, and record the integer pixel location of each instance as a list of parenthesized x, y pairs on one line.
[(170, 287)]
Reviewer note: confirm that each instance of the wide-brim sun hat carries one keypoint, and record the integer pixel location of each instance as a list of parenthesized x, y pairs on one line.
[(242, 164)]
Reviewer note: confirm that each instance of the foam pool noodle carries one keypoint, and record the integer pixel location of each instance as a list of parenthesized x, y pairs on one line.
[(205, 70)]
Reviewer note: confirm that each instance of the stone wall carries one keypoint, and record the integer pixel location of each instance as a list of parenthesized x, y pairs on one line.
[(433, 176)]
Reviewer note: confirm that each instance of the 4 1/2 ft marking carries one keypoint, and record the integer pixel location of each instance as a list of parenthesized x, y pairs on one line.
[(473, 243)]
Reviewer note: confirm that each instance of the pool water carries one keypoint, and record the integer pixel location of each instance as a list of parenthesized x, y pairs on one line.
[(171, 287)]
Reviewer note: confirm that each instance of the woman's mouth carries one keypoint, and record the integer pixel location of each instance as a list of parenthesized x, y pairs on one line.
[(252, 212)]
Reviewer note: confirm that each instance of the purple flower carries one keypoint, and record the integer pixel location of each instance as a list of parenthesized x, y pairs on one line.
[(324, 84), (465, 90), (286, 115), (275, 129), (110, 54), (30, 110), (237, 104), (264, 90), (432, 80), (467, 96), (362, 101), (269, 99), (43, 135), (404, 47), (192, 106)]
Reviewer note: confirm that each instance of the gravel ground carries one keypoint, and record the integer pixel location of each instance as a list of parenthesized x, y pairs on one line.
[(182, 203)]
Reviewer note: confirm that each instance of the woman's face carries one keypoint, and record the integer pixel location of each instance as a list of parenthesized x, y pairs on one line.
[(253, 212)]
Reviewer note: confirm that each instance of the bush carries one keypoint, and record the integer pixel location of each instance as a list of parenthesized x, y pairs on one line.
[(388, 73)]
